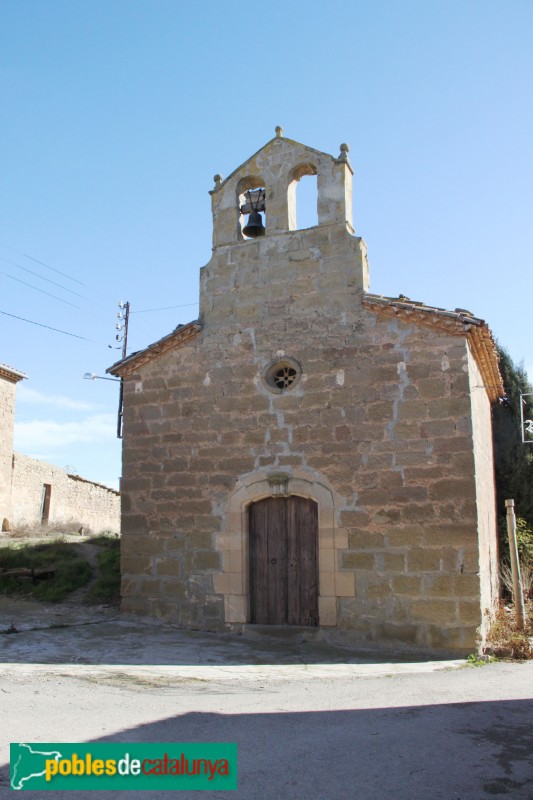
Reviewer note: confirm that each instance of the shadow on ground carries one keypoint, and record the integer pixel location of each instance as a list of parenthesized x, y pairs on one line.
[(463, 751)]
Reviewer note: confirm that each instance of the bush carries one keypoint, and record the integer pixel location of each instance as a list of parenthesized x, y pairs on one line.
[(72, 570), (106, 588)]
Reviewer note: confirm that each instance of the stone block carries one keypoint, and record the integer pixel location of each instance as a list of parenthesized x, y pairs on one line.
[(452, 488), (405, 536), (440, 611), (407, 585), (357, 560), (467, 585), (470, 612), (439, 585), (206, 560), (327, 559), (398, 633), (138, 545), (168, 567), (413, 410), (134, 524), (345, 584), (163, 610), (173, 589), (235, 609), (327, 611), (354, 519), (420, 559), (378, 588), (431, 388), (136, 565), (366, 540), (327, 584), (393, 562), (132, 604)]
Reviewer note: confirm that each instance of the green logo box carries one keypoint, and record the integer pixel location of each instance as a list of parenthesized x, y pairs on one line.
[(117, 765)]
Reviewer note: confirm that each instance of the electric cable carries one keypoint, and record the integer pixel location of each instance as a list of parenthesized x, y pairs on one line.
[(48, 280), (57, 330), (40, 290)]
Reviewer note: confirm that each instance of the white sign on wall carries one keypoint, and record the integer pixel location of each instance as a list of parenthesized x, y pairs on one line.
[(526, 420)]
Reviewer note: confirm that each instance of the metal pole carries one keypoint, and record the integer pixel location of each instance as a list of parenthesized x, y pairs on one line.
[(515, 567)]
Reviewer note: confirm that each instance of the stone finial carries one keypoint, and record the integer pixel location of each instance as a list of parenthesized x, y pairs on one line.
[(344, 150), (279, 131), (218, 180)]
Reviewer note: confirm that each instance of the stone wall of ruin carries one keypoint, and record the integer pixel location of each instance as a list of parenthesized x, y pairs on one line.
[(74, 500), (7, 421)]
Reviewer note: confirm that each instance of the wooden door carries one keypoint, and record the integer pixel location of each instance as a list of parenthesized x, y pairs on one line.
[(284, 561)]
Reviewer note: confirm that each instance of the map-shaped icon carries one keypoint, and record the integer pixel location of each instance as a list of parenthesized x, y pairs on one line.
[(27, 762)]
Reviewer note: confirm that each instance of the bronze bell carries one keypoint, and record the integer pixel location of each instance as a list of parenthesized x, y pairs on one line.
[(254, 227)]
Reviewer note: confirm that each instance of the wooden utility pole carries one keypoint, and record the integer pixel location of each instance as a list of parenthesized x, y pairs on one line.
[(124, 350), (518, 592)]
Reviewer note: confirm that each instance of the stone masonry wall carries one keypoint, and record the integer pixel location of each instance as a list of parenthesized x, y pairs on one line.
[(485, 494), (73, 499), (382, 414), (7, 422)]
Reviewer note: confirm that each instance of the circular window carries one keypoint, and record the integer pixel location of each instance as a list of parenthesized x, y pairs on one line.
[(282, 375)]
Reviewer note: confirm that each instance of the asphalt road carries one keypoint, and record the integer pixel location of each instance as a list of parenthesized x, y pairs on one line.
[(327, 731)]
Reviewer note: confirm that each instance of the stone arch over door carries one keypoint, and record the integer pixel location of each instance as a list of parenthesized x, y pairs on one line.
[(233, 541)]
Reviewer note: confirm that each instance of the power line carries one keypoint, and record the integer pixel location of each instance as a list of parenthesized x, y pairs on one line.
[(65, 275), (21, 253), (65, 333), (81, 283), (40, 290), (14, 264), (165, 308)]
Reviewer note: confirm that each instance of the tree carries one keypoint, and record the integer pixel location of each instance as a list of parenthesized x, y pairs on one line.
[(513, 460)]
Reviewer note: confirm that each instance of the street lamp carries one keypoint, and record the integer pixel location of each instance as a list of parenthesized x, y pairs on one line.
[(91, 376)]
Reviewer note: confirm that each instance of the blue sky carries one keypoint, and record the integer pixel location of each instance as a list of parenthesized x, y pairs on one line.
[(117, 114)]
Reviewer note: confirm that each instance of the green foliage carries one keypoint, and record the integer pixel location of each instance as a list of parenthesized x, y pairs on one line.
[(72, 570), (106, 588), (524, 540), (474, 660), (513, 460)]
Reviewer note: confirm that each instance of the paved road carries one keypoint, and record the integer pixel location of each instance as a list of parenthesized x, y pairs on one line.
[(356, 728)]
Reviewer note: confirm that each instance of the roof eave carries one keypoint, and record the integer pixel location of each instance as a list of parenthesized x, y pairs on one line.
[(455, 323), (178, 337)]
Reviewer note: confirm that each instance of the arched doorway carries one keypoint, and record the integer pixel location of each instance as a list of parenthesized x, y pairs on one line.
[(283, 561)]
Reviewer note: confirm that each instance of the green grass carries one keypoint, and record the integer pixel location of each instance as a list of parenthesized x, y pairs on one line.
[(72, 571), (106, 588)]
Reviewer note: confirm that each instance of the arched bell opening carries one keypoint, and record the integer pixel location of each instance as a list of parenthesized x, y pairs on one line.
[(302, 197), (251, 193)]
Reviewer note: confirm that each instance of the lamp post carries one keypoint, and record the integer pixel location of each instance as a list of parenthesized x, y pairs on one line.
[(91, 376)]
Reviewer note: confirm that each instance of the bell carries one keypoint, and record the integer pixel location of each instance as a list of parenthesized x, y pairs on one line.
[(254, 227)]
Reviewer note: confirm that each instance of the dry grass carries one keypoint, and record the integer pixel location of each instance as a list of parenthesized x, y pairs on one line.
[(43, 532), (505, 640), (526, 574)]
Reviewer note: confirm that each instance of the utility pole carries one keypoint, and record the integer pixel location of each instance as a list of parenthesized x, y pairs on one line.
[(515, 567), (122, 327)]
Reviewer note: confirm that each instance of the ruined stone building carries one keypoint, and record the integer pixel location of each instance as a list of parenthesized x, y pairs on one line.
[(34, 492), (307, 453)]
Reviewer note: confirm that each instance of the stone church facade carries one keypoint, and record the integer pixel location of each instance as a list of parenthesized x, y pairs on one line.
[(308, 453)]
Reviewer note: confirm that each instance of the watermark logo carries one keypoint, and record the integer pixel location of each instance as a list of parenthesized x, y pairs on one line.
[(113, 765)]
